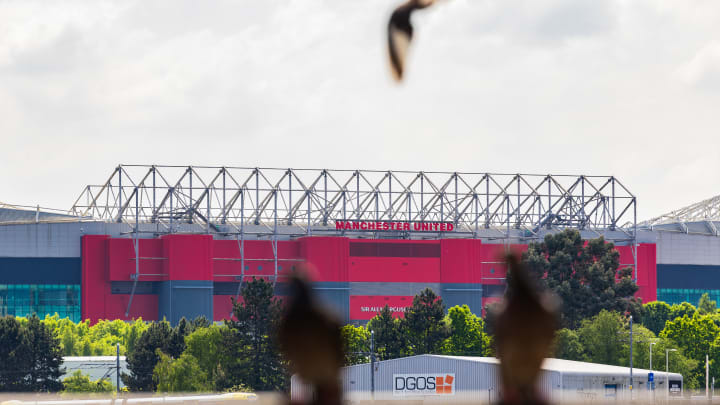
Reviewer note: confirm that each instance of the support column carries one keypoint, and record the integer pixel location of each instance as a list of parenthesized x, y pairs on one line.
[(188, 292)]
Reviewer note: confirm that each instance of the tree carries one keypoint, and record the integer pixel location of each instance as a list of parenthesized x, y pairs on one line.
[(45, 359), (642, 339), (205, 345), (425, 323), (254, 356), (586, 276), (79, 382), (14, 355), (200, 322), (682, 309), (183, 374), (356, 344), (601, 337), (467, 337), (82, 339), (715, 357), (695, 337), (567, 345), (132, 334), (706, 306), (605, 339), (104, 335), (679, 363), (176, 342), (143, 356), (655, 314), (142, 360), (30, 356), (391, 339)]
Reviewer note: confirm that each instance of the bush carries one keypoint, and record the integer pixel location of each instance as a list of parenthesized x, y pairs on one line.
[(79, 382)]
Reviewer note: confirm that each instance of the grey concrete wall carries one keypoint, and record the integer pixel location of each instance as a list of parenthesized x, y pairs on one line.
[(53, 239), (681, 248), (362, 288), (40, 240)]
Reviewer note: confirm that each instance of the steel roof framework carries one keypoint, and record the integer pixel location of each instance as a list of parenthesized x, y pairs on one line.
[(226, 199), (706, 211)]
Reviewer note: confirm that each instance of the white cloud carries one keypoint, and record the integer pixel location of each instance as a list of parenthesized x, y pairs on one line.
[(549, 86), (703, 70)]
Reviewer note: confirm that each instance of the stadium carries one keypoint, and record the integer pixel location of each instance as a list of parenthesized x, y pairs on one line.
[(178, 241)]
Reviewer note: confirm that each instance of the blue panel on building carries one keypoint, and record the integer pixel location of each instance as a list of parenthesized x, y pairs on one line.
[(688, 276), (463, 294), (183, 298), (335, 297), (231, 288), (40, 270)]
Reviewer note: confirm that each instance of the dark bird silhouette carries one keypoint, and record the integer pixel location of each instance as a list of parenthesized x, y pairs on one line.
[(400, 33), (310, 339), (525, 328)]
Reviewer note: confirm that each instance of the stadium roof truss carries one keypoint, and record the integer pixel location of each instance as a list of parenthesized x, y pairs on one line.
[(701, 217), (273, 201)]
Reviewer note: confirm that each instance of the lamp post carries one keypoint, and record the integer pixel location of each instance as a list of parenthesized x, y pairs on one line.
[(117, 367), (652, 383), (667, 372), (372, 364), (631, 357), (651, 345)]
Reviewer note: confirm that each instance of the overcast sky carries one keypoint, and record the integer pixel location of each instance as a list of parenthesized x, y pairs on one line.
[(629, 88)]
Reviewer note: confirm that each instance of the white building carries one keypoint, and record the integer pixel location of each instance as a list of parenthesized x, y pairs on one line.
[(478, 379), (96, 367)]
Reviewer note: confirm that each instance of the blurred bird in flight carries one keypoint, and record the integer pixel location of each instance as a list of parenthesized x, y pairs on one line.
[(400, 33), (524, 331), (311, 341)]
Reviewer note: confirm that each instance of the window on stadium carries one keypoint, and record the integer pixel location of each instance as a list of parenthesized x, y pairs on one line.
[(679, 295), (40, 299)]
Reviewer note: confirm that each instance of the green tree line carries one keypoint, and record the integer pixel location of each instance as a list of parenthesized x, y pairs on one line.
[(83, 339), (693, 332)]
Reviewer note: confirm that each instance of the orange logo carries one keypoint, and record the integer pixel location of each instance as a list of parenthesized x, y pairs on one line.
[(443, 385)]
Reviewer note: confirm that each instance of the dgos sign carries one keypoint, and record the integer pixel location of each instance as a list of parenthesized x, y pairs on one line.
[(423, 384)]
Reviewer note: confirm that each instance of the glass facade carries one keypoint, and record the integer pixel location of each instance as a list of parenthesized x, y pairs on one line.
[(678, 295), (40, 299)]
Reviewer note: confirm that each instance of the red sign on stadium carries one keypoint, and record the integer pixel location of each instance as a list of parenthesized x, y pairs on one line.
[(394, 226)]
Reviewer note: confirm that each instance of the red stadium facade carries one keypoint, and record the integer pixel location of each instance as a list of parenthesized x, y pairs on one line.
[(178, 241), (196, 274), (169, 241)]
